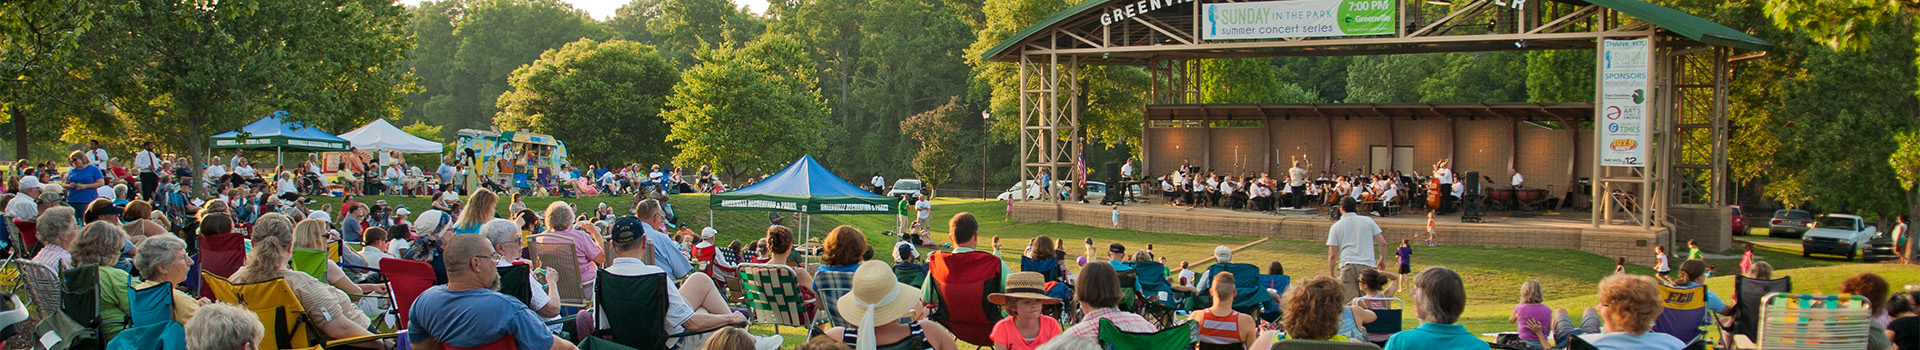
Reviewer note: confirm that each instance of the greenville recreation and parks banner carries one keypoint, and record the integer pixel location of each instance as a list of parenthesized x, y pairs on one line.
[(1297, 19), (1623, 102)]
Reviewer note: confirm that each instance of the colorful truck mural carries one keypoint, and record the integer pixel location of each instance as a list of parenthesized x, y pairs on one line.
[(509, 158)]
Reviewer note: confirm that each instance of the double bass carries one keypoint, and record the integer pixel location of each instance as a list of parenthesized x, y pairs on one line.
[(1433, 193)]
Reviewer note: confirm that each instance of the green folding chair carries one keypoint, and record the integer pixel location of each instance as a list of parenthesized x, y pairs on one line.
[(1178, 337), (773, 291), (311, 262)]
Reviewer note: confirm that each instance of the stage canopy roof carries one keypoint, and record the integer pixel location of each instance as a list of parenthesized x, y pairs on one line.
[(807, 187), (379, 135), (275, 133), (1566, 112)]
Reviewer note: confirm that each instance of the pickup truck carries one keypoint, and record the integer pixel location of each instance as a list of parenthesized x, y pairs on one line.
[(1837, 234)]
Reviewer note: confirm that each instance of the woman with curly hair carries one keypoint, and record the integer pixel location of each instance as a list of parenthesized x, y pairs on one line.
[(1628, 306), (845, 248), (1316, 310)]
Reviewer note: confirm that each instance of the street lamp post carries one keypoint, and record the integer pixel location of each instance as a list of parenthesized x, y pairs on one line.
[(984, 117)]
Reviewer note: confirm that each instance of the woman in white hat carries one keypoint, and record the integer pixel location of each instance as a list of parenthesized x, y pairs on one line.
[(1027, 327), (884, 314)]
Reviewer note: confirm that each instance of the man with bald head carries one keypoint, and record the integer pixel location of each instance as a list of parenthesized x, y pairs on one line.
[(466, 312)]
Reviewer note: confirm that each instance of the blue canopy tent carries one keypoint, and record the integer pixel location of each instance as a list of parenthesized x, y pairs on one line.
[(806, 187), (274, 132)]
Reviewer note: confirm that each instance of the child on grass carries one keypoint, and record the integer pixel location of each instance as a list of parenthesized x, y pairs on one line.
[(1429, 229), (1746, 260), (1406, 262), (1660, 269), (1693, 251)]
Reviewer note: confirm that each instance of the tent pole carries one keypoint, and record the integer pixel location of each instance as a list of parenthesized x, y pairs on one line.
[(279, 158)]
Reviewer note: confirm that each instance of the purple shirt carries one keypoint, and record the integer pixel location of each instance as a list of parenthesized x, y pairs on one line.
[(1534, 312), (1405, 254), (584, 250)]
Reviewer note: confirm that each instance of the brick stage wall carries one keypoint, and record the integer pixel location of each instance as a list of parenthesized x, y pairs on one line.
[(1631, 243)]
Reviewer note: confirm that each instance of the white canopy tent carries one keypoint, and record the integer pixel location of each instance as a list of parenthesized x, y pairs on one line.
[(379, 135)]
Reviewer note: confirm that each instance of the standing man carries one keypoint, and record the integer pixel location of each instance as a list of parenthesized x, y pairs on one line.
[(1351, 246), (925, 207), (149, 166), (96, 155), (1445, 175), (446, 172), (1296, 184), (1517, 179), (879, 184), (1126, 179), (900, 221)]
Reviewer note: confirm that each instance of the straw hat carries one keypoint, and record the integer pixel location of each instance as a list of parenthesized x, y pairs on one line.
[(1024, 285), (876, 289)]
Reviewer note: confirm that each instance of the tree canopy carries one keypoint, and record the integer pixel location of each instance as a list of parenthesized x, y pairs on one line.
[(603, 99), (747, 110)]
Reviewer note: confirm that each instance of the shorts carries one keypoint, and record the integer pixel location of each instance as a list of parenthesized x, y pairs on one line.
[(1663, 273), (1404, 269)]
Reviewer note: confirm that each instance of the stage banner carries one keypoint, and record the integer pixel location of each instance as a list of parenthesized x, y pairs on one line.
[(1623, 102), (1297, 19)]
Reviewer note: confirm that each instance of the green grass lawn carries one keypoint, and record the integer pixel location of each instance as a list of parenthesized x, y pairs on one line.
[(1493, 275)]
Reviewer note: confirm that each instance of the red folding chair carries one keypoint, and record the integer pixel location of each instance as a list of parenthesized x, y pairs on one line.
[(221, 255), (408, 279)]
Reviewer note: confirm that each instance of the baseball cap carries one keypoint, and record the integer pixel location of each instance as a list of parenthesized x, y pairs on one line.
[(1117, 248), (708, 232), (30, 181), (626, 229), (1222, 254)]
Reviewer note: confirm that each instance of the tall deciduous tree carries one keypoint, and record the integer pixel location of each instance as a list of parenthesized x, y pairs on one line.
[(489, 39), (1246, 80), (630, 21), (747, 110), (604, 99), (938, 134), (1560, 76), (683, 26), (1003, 19), (37, 42), (185, 69)]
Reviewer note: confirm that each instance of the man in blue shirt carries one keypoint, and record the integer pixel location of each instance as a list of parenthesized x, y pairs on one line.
[(666, 252), (466, 313)]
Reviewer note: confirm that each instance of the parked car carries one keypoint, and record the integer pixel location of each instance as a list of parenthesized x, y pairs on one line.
[(1029, 190), (906, 187), (1025, 190), (1880, 248), (1837, 234), (1739, 222), (1789, 221)]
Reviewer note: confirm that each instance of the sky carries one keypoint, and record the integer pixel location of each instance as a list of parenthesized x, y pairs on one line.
[(602, 9)]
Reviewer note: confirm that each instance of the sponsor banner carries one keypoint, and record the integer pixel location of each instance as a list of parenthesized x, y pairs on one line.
[(759, 203), (1624, 68), (1297, 19), (853, 207)]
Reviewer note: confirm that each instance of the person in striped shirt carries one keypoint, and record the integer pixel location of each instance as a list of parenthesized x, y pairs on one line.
[(1221, 328)]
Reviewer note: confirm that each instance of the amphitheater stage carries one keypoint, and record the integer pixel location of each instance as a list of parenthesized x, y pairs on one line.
[(1569, 230)]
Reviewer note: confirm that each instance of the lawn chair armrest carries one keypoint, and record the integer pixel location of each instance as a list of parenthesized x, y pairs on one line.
[(1740, 341), (562, 320), (742, 326), (362, 339)]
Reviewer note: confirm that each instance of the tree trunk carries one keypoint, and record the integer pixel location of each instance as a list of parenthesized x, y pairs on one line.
[(19, 133)]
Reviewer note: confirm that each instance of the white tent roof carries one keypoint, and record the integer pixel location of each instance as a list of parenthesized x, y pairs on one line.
[(380, 135)]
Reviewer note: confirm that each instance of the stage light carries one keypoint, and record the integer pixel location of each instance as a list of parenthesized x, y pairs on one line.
[(1522, 43)]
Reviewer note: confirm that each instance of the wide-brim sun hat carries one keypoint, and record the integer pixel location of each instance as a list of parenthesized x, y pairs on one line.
[(1024, 285), (875, 288)]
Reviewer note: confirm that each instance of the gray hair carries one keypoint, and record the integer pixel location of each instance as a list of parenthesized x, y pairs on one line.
[(223, 326), (1442, 296), (156, 251), (500, 231), (99, 243), (559, 216), (56, 225)]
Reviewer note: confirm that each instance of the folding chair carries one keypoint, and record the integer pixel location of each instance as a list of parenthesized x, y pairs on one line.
[(1156, 296), (961, 283), (1811, 321), (559, 256), (1746, 312), (825, 288), (1172, 338), (774, 294), (280, 311), (39, 288), (78, 325), (1386, 322), (152, 327), (1057, 284), (513, 283), (1250, 295), (311, 262), (1685, 317), (406, 280), (636, 314), (221, 255)]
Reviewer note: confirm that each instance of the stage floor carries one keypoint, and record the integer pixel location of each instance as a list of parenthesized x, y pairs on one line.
[(1561, 230)]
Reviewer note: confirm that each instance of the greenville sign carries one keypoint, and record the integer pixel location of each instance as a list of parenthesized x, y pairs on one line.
[(1297, 19), (1136, 8)]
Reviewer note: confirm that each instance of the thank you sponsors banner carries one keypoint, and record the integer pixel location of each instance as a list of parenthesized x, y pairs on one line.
[(1297, 19), (1624, 68)]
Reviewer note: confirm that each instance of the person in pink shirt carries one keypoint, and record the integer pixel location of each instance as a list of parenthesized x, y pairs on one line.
[(1530, 309), (1746, 260), (586, 246), (1027, 327)]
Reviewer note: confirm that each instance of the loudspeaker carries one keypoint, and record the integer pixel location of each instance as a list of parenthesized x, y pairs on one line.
[(1472, 183), (1471, 199), (1113, 173)]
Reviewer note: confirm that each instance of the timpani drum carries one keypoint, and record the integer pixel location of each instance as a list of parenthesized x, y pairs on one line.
[(1530, 195)]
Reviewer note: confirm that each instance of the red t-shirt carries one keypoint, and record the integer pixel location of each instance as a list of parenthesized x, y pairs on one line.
[(119, 172)]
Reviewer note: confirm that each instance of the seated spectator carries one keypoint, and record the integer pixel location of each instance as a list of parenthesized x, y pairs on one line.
[(586, 252), (543, 298), (1904, 330), (842, 257), (430, 229), (1098, 291), (1693, 273), (1874, 288), (225, 327), (1028, 327), (1221, 328), (164, 259), (1441, 298), (875, 305), (1314, 311), (666, 254), (466, 313), (1628, 306), (1377, 284), (57, 231), (376, 246), (907, 266), (328, 309), (313, 234), (729, 338), (693, 306), (100, 243), (1529, 315)]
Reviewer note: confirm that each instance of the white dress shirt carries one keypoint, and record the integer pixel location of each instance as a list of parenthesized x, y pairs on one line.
[(146, 162)]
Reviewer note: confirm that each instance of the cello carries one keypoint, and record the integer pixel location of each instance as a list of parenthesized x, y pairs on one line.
[(1433, 193)]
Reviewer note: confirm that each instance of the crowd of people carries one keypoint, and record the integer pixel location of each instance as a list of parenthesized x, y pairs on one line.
[(1050, 299), (1296, 189)]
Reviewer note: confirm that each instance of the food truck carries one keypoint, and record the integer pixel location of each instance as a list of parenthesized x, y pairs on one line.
[(509, 158)]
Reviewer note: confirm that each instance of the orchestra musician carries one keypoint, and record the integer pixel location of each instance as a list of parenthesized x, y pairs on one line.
[(1443, 172), (1296, 181)]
